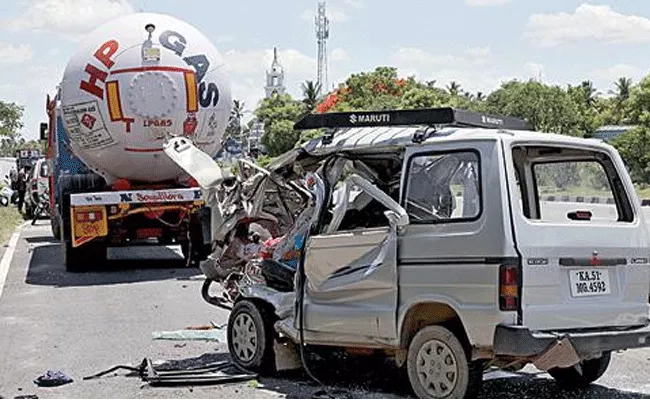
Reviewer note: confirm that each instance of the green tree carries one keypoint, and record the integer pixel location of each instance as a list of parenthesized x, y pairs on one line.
[(585, 98), (11, 116), (634, 148), (310, 91), (454, 88), (279, 113), (423, 97), (638, 104), (547, 108), (378, 90), (234, 128), (623, 88)]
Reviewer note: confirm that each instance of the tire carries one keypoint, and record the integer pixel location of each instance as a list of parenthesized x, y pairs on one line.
[(462, 379), (591, 371), (248, 320), (55, 224), (89, 254), (84, 257)]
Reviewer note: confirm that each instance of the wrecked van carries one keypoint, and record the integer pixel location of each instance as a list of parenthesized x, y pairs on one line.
[(429, 235)]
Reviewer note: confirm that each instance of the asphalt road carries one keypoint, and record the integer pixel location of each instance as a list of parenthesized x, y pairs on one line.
[(85, 323)]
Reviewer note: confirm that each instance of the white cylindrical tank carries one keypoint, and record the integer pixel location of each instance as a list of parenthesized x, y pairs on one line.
[(136, 80)]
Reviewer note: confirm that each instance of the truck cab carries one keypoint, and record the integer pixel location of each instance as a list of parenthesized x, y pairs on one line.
[(453, 242)]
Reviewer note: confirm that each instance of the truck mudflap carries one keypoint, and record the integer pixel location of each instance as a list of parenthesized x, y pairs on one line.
[(564, 349), (88, 222)]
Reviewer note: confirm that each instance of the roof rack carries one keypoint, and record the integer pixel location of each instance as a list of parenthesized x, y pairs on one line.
[(426, 116)]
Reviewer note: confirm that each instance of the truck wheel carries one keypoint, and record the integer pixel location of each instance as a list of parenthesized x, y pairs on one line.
[(250, 335), (83, 258), (438, 367), (589, 371), (73, 258), (55, 224)]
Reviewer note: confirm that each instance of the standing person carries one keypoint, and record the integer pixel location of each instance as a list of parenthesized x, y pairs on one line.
[(22, 188), (13, 177)]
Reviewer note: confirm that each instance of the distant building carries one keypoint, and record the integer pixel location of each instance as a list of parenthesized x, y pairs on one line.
[(275, 77), (609, 132)]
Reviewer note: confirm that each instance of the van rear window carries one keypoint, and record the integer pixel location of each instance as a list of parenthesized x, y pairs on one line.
[(566, 185)]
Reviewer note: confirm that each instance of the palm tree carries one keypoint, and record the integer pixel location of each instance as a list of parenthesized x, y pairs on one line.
[(480, 96), (236, 115), (431, 84), (453, 88), (623, 88), (590, 92), (310, 92), (237, 111)]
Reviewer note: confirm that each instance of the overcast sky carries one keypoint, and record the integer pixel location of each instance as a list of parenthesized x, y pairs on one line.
[(479, 43)]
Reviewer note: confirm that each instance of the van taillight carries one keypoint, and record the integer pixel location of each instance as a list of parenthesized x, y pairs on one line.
[(509, 287)]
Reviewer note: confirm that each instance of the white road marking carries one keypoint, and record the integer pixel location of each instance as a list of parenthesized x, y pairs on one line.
[(8, 256)]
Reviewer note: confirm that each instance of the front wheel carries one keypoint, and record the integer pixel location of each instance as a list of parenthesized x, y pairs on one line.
[(438, 367), (583, 374), (250, 336)]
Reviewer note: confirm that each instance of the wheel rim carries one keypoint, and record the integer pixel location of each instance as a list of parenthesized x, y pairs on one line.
[(244, 337), (437, 368)]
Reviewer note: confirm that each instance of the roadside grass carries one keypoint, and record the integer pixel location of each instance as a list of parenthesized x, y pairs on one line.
[(10, 218)]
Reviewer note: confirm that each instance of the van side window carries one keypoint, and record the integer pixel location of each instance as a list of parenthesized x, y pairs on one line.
[(572, 185), (444, 187)]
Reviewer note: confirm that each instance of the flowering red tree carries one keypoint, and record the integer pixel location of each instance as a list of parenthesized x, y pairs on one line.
[(379, 89)]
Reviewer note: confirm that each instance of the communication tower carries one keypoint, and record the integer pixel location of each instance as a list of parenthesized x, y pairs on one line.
[(322, 34)]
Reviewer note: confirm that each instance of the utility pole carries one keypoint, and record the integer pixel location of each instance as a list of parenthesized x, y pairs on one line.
[(322, 34)]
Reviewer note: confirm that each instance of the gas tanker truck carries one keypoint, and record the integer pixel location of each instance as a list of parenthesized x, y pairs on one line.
[(134, 84)]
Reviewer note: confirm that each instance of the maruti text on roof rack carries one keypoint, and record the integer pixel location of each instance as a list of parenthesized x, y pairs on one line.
[(426, 116)]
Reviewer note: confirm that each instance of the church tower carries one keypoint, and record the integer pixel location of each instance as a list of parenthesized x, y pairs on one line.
[(275, 77)]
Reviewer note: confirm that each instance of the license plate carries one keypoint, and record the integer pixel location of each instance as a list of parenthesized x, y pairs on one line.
[(589, 282)]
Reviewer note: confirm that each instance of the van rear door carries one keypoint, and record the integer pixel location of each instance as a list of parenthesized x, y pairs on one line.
[(582, 238)]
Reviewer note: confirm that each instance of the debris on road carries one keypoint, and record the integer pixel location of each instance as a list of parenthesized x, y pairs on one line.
[(139, 370), (210, 334), (206, 374), (214, 373), (53, 378)]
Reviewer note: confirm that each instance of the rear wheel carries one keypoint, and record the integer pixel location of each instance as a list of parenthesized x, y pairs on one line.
[(83, 258), (250, 335), (89, 254), (583, 374), (438, 366), (55, 223)]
